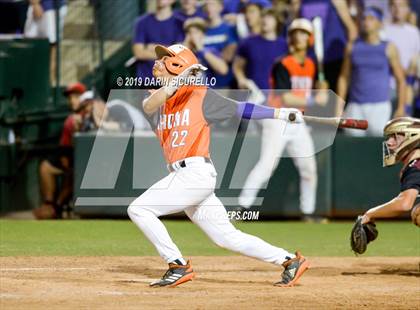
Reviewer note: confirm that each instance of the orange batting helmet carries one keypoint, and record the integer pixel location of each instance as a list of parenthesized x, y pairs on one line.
[(178, 57)]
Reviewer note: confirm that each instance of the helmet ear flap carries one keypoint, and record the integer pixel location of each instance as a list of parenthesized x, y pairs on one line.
[(173, 65)]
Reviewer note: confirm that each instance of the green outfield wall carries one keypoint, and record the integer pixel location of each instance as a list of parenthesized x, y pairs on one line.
[(350, 176)]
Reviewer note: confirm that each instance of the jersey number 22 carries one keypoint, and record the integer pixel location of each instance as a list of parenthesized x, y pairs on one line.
[(178, 138)]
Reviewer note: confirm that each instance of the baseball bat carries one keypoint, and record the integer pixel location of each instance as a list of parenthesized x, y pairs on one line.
[(335, 121), (319, 47)]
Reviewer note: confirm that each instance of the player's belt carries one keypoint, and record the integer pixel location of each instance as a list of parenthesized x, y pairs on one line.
[(188, 161)]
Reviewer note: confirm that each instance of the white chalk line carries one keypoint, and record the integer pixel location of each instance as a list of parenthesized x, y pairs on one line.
[(50, 269)]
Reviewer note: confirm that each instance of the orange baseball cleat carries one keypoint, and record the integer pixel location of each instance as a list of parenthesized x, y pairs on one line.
[(175, 275), (293, 270)]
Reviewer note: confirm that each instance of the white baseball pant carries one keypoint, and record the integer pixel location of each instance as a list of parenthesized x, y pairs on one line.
[(191, 189), (45, 26), (377, 114), (300, 147)]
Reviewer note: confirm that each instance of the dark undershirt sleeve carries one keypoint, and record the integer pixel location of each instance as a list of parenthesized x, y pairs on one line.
[(281, 76), (217, 108), (411, 179)]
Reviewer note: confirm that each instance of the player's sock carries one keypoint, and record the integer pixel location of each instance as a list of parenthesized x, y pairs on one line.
[(290, 256), (180, 261)]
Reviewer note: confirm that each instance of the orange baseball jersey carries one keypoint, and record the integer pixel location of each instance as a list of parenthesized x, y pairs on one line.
[(288, 73), (182, 124)]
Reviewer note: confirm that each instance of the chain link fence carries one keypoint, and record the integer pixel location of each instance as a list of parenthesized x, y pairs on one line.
[(93, 31)]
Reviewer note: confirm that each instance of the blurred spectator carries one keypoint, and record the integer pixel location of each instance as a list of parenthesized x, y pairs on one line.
[(160, 27), (413, 86), (405, 36), (288, 10), (356, 8), (126, 116), (220, 36), (383, 5), (88, 113), (189, 9), (366, 76), (250, 62), (295, 72), (338, 28), (195, 29), (248, 22), (41, 23), (415, 11), (232, 6), (60, 163), (231, 9)]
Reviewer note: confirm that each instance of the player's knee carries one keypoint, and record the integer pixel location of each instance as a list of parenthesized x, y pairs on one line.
[(230, 241), (134, 210), (308, 171), (130, 211)]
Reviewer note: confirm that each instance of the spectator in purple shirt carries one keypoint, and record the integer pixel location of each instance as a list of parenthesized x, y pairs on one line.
[(368, 65), (338, 29), (232, 6), (256, 54), (248, 22), (189, 9), (405, 36), (220, 36), (195, 30), (160, 27)]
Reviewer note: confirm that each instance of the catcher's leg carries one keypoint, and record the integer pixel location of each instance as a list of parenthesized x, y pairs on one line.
[(212, 218), (272, 145)]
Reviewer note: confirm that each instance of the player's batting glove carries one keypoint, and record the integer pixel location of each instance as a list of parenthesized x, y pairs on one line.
[(361, 235), (182, 79), (290, 115)]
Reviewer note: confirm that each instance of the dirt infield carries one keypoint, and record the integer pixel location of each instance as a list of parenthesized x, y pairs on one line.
[(221, 282)]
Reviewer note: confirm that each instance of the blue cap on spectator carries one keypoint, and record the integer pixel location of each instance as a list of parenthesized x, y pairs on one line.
[(374, 12)]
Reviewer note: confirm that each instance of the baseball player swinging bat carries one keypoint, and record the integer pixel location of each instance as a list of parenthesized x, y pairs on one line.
[(181, 116), (335, 121)]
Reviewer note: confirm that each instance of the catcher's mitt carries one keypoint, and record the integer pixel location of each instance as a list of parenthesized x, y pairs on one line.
[(361, 235)]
